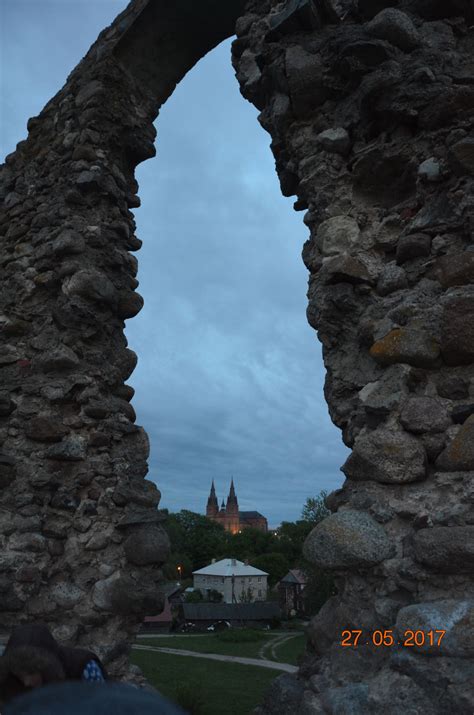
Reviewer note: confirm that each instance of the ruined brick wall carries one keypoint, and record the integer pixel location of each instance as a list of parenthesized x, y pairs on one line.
[(370, 111)]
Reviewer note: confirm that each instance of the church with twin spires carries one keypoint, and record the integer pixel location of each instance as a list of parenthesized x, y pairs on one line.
[(229, 515)]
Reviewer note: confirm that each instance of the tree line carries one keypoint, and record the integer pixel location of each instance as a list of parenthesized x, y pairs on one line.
[(196, 540)]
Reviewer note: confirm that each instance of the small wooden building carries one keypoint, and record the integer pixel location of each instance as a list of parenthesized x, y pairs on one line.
[(291, 592), (161, 622)]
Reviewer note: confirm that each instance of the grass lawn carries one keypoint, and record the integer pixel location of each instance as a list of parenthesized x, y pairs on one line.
[(208, 644), (290, 650), (222, 688)]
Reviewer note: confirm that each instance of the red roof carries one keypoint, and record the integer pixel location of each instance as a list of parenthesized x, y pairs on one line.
[(164, 617)]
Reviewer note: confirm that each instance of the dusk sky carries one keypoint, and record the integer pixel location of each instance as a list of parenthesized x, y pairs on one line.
[(230, 377)]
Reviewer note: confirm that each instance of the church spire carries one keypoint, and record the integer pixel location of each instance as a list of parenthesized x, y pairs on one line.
[(212, 504), (232, 503)]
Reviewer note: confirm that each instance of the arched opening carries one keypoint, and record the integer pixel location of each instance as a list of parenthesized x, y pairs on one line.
[(223, 340)]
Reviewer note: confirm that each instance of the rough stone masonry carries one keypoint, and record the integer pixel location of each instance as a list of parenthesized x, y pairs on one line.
[(370, 107)]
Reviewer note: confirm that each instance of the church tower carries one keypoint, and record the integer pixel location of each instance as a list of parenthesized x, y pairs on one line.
[(212, 508), (232, 511), (229, 515), (220, 517)]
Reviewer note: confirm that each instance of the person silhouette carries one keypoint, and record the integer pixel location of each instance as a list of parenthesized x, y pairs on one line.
[(33, 658), (37, 678)]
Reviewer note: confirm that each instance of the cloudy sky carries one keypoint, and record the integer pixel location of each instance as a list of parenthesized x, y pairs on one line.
[(230, 377)]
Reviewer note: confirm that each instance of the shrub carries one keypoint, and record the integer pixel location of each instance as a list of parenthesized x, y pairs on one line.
[(191, 698)]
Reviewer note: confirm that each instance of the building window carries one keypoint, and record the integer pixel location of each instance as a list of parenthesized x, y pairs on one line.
[(259, 579), (259, 592)]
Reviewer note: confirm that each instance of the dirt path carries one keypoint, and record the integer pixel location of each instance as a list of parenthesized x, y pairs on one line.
[(269, 648), (262, 663)]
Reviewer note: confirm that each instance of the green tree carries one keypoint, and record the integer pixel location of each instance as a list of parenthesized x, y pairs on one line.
[(290, 538), (194, 596), (276, 565), (320, 585), (250, 543), (197, 537), (215, 596), (315, 509)]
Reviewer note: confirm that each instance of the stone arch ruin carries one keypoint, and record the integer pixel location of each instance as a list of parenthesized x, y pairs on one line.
[(369, 104)]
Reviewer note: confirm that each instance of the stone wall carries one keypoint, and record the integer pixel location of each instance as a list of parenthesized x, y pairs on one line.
[(370, 109), (80, 535)]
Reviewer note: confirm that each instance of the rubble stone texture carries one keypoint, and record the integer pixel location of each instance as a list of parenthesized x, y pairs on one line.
[(370, 105)]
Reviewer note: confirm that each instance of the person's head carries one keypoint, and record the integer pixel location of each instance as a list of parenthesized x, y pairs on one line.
[(25, 667), (32, 634), (33, 658)]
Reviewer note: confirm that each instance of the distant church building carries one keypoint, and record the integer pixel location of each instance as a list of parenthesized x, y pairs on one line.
[(229, 515)]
